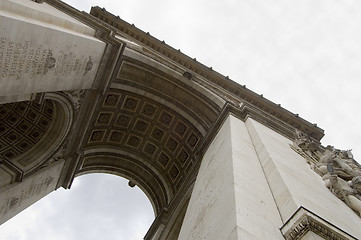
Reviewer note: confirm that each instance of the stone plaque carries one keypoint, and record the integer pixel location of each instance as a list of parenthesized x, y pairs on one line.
[(39, 57), (21, 195)]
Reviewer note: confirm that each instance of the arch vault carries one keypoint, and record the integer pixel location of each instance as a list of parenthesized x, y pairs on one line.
[(111, 98)]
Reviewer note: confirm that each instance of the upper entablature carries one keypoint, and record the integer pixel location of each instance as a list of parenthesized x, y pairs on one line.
[(206, 76)]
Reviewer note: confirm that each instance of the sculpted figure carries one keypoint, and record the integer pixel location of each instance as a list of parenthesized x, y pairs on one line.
[(332, 162), (355, 198), (356, 185), (304, 142), (340, 172), (337, 175), (345, 191), (301, 139), (339, 188), (354, 166)]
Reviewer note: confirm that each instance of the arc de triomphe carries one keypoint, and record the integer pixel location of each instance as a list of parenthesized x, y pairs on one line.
[(83, 93)]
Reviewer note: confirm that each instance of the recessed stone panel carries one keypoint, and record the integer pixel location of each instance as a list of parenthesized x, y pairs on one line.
[(23, 145), (163, 159), (180, 128), (111, 100), (115, 136), (97, 136), (171, 144), (12, 136), (141, 126), (166, 118), (130, 103), (13, 118), (157, 134), (150, 149), (3, 128), (123, 120), (183, 156), (154, 132), (134, 141), (21, 108), (192, 140), (4, 111), (35, 134), (22, 125), (104, 118), (10, 153), (43, 122), (32, 115), (149, 110)]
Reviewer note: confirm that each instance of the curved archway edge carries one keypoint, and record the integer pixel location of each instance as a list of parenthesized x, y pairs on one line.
[(150, 115)]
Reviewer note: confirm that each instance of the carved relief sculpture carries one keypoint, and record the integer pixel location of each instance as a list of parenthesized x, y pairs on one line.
[(340, 172)]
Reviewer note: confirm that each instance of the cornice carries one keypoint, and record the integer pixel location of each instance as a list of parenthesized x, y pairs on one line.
[(303, 221), (211, 78)]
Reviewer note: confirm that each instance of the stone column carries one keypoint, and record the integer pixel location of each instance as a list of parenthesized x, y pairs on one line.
[(253, 185), (44, 50), (231, 198), (304, 202), (18, 196)]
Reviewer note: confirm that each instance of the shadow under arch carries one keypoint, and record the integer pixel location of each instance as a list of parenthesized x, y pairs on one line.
[(27, 128), (131, 167)]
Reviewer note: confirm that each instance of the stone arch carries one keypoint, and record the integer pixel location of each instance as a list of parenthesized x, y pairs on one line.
[(26, 128), (131, 167), (173, 226), (111, 198)]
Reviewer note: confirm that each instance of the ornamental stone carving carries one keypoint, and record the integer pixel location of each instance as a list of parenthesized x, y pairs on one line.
[(304, 221), (76, 98), (338, 169)]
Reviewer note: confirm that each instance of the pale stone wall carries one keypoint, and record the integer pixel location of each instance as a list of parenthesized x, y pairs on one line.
[(44, 50), (231, 198), (294, 184), (251, 183), (18, 196), (6, 175)]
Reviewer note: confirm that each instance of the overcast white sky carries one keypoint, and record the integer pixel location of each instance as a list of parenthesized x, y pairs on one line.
[(305, 55)]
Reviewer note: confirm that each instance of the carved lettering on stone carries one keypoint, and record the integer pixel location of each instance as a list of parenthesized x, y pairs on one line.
[(33, 190), (23, 59)]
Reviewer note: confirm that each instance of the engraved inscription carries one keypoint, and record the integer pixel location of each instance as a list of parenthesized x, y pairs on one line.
[(24, 59), (34, 190)]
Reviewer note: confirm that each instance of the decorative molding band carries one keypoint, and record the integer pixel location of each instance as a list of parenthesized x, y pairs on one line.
[(212, 78), (303, 221)]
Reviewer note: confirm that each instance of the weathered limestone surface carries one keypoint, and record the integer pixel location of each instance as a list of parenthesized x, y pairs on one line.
[(44, 50), (294, 184), (5, 176), (157, 115), (18, 196), (231, 198)]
